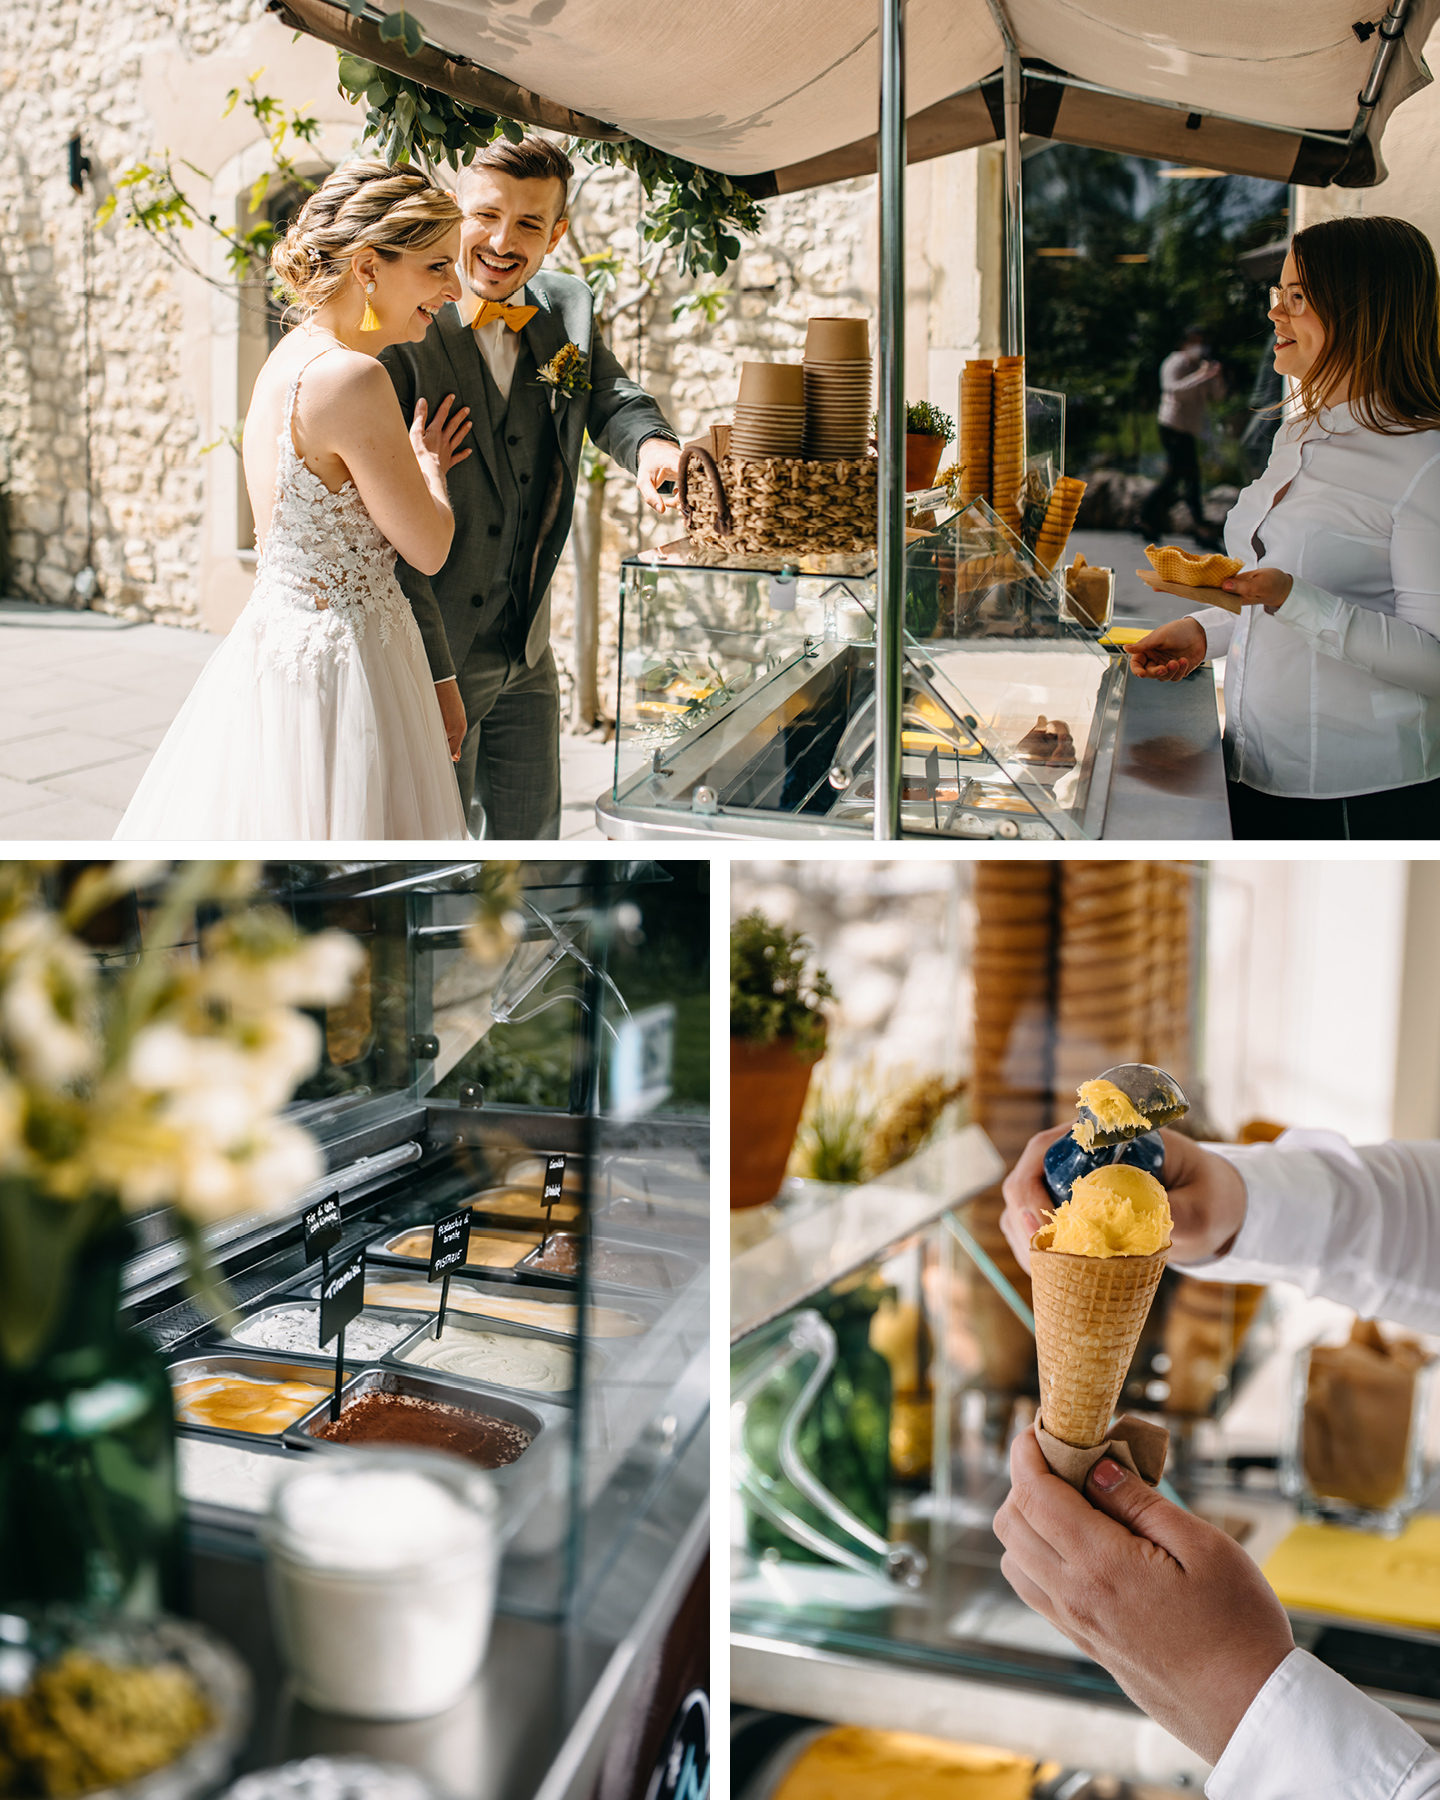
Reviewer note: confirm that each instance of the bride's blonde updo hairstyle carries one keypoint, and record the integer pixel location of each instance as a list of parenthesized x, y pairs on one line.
[(366, 205)]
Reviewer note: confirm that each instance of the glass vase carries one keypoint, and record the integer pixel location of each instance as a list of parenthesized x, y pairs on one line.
[(90, 1511)]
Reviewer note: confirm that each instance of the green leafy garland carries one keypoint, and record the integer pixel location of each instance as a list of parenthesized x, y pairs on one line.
[(692, 211)]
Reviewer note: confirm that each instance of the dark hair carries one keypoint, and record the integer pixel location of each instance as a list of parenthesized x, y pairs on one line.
[(1372, 283), (532, 159)]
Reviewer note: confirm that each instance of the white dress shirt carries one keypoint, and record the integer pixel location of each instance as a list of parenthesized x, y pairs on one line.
[(1338, 691), (500, 346), (1362, 1227)]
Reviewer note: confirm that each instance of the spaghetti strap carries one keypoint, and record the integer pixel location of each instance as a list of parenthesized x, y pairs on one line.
[(287, 431)]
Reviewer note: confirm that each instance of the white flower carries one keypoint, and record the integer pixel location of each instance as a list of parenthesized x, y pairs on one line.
[(223, 1086), (47, 981), (318, 972)]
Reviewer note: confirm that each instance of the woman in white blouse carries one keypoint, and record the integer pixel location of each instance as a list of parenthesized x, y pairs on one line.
[(1332, 675), (1171, 1606)]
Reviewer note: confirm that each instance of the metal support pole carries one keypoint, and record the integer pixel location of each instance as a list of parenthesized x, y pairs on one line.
[(1014, 227), (890, 571)]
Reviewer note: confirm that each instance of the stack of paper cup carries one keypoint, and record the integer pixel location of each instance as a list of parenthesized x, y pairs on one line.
[(837, 389), (770, 414)]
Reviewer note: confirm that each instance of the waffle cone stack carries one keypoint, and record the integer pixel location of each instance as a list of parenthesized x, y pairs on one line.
[(1089, 1313), (977, 381), (1007, 439), (1060, 513)]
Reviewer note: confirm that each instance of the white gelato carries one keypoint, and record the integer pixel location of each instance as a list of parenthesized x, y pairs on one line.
[(517, 1362)]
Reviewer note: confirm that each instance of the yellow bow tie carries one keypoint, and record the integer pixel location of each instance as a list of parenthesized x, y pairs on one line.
[(516, 317)]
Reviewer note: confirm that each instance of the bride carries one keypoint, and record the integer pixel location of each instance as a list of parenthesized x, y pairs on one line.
[(317, 717)]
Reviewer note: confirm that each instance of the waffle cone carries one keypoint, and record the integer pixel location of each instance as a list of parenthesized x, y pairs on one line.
[(1089, 1313)]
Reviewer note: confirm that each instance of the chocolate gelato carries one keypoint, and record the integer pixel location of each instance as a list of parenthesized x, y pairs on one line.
[(377, 1418), (561, 1256)]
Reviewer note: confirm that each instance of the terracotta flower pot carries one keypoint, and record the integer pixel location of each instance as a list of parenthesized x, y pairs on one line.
[(922, 460), (768, 1084)]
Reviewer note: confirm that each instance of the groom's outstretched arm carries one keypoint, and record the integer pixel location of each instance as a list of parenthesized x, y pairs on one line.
[(415, 586), (621, 415)]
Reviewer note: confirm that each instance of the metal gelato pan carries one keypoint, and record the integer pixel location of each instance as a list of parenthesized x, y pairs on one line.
[(387, 1249), (503, 1411), (389, 1288), (399, 1323), (240, 1365), (460, 1326), (628, 1264)]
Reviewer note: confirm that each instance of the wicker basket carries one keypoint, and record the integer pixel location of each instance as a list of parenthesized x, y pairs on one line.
[(783, 506)]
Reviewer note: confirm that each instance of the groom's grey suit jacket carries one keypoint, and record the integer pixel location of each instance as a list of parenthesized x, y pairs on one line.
[(523, 458)]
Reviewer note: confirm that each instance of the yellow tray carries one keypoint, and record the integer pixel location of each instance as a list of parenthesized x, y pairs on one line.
[(1331, 1569)]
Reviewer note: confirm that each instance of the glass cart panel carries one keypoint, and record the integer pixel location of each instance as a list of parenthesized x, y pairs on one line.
[(751, 684)]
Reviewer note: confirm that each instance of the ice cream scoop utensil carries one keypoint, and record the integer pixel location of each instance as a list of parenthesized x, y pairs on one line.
[(1155, 1095)]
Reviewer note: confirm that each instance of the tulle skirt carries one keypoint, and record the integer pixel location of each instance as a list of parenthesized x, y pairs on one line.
[(339, 737)]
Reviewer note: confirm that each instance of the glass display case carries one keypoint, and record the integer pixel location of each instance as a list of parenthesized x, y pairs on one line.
[(880, 1601), (528, 1043), (751, 685)]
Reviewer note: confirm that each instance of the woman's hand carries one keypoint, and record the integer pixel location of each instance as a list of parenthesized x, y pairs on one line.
[(1170, 652), (1207, 1197), (452, 712), (1171, 1606), (1269, 588), (437, 438)]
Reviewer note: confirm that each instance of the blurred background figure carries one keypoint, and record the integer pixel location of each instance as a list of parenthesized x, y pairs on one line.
[(1189, 380)]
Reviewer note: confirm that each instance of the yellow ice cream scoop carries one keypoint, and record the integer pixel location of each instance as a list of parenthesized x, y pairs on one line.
[(1106, 1108), (1117, 1210)]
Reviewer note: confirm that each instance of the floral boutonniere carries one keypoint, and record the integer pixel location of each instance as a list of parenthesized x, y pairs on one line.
[(565, 372)]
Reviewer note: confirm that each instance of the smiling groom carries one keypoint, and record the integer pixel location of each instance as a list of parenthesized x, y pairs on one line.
[(485, 617)]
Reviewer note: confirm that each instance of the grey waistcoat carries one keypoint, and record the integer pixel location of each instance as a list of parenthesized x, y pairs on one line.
[(524, 435)]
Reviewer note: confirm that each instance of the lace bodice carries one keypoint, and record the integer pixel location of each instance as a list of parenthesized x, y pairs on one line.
[(326, 575)]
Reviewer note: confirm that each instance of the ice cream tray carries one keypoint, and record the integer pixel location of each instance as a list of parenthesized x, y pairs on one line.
[(532, 1416), (645, 1309), (257, 1364), (673, 1270)]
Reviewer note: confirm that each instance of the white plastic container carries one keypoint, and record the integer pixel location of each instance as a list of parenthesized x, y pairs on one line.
[(382, 1568)]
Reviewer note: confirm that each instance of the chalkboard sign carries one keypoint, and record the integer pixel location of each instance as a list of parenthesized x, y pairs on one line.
[(322, 1226), (449, 1243), (342, 1294), (554, 1180)]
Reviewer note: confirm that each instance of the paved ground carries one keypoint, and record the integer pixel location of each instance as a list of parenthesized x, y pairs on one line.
[(85, 699)]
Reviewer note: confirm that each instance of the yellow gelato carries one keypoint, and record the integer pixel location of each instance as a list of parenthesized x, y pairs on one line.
[(1114, 1211), (1112, 1110), (851, 1762)]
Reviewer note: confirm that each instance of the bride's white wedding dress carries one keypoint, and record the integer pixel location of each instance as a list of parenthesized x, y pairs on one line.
[(317, 717)]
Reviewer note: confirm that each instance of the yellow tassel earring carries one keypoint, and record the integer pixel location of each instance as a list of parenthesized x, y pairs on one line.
[(368, 321)]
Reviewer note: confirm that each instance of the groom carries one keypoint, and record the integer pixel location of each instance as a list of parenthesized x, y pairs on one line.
[(485, 617)]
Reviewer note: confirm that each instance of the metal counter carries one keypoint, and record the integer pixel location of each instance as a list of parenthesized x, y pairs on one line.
[(1162, 776)]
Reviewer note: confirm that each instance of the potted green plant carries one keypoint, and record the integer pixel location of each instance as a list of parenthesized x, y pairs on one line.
[(777, 1035), (927, 432)]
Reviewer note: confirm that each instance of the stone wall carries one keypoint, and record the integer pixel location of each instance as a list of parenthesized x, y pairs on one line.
[(132, 80)]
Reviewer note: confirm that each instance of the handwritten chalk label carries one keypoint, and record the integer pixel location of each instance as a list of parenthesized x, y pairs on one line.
[(342, 1294), (554, 1180), (322, 1226), (449, 1243)]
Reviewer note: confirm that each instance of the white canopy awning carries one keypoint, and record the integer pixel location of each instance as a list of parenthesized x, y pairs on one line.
[(787, 93)]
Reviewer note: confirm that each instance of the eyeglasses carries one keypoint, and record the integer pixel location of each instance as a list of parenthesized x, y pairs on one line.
[(1291, 303)]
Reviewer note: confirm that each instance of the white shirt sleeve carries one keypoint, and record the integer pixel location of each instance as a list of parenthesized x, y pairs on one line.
[(1358, 1226), (1310, 1735), (1403, 647), (1219, 628)]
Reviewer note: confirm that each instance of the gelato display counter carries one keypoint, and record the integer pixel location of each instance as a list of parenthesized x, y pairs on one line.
[(751, 686), (526, 1050)]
